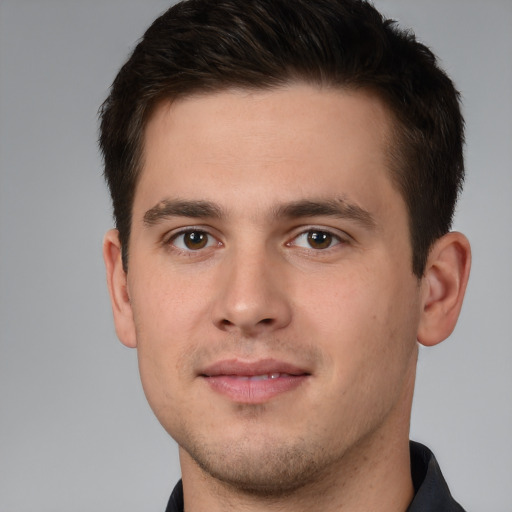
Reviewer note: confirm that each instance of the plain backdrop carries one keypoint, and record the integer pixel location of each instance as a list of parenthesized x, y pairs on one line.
[(76, 433)]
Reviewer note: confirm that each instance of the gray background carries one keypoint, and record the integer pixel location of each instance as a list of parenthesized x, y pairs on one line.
[(75, 431)]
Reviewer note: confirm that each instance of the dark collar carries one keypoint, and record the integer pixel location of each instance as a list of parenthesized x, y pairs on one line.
[(176, 500), (431, 492)]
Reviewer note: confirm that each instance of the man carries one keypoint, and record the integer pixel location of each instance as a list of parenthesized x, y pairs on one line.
[(284, 175)]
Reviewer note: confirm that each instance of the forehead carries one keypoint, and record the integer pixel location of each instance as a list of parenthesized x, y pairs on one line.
[(273, 144)]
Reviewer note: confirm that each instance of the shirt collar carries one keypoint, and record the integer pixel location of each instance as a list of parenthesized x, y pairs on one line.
[(431, 490)]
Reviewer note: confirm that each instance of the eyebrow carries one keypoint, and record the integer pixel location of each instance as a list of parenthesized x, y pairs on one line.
[(338, 208), (179, 208)]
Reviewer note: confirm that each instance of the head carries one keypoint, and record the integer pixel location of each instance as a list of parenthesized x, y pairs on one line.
[(206, 46), (283, 175)]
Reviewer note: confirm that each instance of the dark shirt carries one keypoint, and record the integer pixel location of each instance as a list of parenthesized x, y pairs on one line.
[(431, 492)]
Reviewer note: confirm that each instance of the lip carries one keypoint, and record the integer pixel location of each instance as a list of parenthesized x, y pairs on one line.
[(253, 382)]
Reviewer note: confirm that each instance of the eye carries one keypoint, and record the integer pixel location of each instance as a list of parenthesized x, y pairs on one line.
[(316, 239), (193, 240)]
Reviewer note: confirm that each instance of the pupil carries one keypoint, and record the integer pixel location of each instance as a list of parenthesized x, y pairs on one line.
[(195, 240), (319, 239)]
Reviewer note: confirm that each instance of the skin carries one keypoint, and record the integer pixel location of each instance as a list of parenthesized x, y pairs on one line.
[(347, 311)]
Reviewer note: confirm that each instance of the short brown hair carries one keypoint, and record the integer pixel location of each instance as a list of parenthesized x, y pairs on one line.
[(211, 45)]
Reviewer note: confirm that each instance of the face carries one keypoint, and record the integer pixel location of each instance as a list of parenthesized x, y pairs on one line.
[(270, 287)]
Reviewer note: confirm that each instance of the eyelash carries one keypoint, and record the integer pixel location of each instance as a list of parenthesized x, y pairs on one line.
[(171, 240), (327, 238)]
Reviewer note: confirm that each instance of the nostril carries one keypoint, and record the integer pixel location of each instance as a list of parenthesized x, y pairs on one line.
[(228, 324)]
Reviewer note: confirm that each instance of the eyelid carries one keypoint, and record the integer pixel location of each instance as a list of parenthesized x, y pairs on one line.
[(170, 237), (341, 237)]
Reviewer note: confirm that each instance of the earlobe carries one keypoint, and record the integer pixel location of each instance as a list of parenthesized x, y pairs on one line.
[(444, 284), (118, 289)]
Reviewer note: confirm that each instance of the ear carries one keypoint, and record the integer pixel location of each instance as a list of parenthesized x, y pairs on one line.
[(443, 287), (118, 289)]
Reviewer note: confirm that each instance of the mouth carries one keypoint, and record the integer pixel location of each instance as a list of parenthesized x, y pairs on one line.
[(253, 382)]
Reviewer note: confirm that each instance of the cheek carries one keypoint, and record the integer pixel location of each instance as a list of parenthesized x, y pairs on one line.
[(361, 318), (166, 306), (367, 334), (167, 315)]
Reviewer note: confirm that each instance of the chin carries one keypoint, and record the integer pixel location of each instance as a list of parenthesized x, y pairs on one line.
[(268, 468)]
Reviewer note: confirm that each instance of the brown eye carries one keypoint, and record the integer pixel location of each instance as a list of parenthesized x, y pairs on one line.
[(316, 239), (193, 240), (319, 239)]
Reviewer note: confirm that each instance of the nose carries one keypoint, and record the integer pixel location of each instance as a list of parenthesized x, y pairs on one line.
[(252, 296)]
